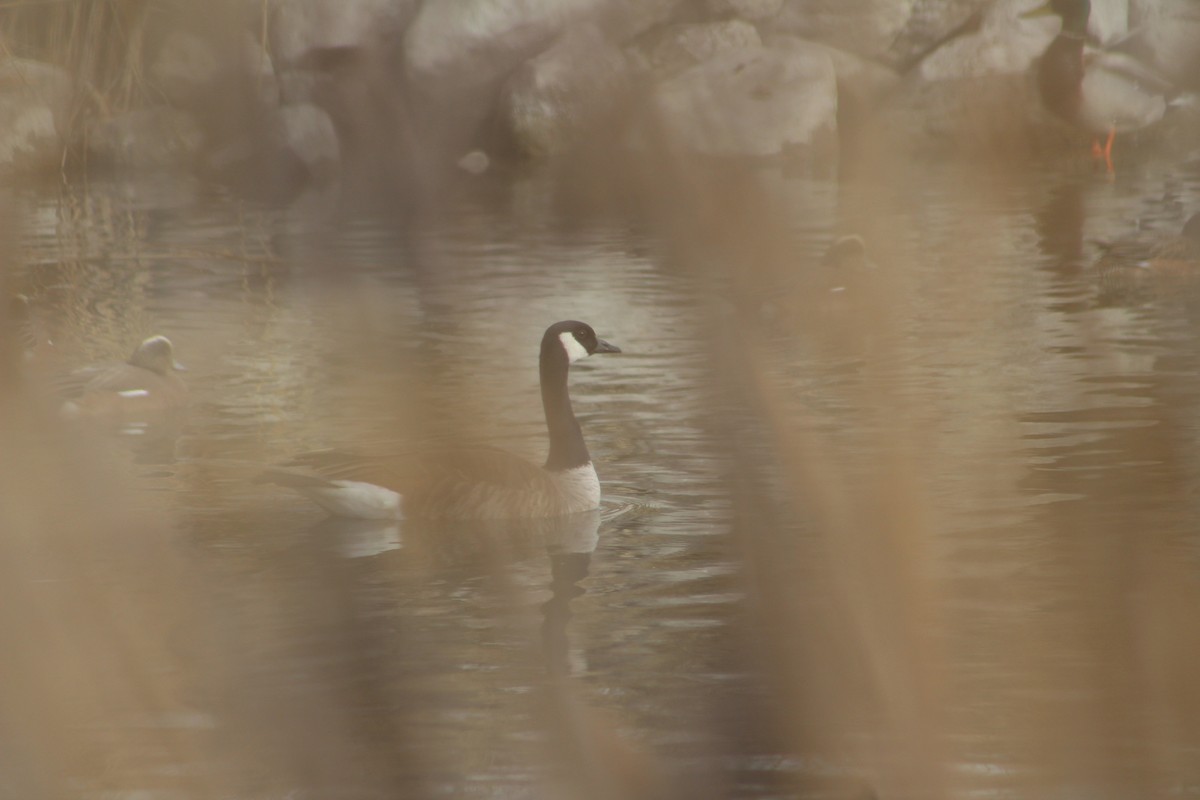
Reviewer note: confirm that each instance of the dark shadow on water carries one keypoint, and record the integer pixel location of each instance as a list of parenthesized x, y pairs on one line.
[(1059, 225), (570, 549)]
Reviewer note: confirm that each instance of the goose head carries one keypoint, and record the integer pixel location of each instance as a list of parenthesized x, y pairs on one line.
[(157, 355), (575, 340)]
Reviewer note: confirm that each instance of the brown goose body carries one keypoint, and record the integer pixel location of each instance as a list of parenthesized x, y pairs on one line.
[(437, 484), (468, 483)]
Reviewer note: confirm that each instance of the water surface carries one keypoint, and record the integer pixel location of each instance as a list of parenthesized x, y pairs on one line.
[(1005, 438)]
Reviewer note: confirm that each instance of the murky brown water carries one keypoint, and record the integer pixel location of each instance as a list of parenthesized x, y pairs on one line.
[(1038, 425)]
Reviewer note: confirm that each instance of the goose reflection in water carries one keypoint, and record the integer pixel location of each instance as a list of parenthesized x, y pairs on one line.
[(457, 543), (570, 548), (569, 541)]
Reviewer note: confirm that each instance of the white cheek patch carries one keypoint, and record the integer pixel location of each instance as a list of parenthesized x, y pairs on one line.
[(132, 393), (575, 350)]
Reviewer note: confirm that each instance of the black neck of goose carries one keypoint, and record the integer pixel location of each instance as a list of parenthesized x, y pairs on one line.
[(567, 448), (1075, 18), (1060, 75)]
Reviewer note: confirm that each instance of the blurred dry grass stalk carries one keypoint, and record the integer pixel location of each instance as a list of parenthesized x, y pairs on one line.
[(877, 664), (91, 593), (100, 43), (106, 46), (99, 600), (90, 590), (870, 660)]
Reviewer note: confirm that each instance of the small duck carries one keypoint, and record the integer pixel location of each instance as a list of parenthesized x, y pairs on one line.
[(1163, 254), (1100, 91), (145, 384), (843, 266), (849, 258)]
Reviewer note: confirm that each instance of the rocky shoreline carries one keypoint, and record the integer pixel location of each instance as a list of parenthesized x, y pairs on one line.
[(301, 92)]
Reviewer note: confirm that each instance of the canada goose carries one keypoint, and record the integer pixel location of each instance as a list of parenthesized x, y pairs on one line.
[(146, 383), (464, 484), (1102, 92)]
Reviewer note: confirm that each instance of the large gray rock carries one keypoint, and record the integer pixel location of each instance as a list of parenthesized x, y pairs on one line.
[(555, 97), (950, 25), (199, 72), (34, 103), (752, 10), (1005, 43), (975, 94), (457, 54), (865, 27), (467, 44), (622, 20), (931, 23), (1169, 38), (995, 114), (147, 138), (300, 27), (186, 66), (862, 84), (687, 44), (307, 132), (757, 101), (1108, 20)]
